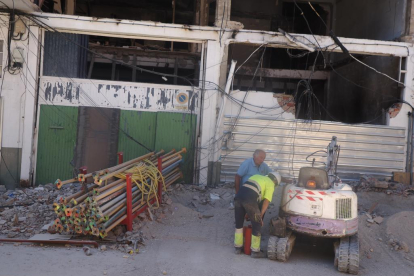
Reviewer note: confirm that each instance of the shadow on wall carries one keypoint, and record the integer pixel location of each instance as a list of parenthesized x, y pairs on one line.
[(10, 168)]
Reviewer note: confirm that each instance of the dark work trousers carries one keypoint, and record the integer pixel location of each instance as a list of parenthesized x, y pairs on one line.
[(246, 201)]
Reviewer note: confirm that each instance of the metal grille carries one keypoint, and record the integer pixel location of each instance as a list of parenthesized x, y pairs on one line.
[(344, 208), (365, 149)]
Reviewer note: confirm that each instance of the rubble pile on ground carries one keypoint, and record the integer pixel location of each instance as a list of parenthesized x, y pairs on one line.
[(372, 184), (399, 231), (24, 212)]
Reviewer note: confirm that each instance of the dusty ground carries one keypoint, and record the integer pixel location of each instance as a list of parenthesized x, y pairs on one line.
[(194, 237)]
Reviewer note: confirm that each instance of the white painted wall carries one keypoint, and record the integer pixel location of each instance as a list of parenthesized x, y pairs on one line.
[(123, 95), (257, 104), (18, 95)]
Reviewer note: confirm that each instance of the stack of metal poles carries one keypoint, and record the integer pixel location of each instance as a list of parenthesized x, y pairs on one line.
[(102, 205)]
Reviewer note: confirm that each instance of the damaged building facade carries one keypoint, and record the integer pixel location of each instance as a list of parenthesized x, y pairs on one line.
[(84, 80)]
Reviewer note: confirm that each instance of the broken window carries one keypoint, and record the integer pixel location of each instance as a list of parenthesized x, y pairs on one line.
[(325, 86), (120, 59), (270, 15), (280, 71)]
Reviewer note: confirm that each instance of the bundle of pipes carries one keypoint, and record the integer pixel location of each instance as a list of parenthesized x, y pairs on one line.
[(102, 205)]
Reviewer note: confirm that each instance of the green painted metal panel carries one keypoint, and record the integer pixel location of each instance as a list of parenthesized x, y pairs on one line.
[(176, 131), (139, 125), (56, 143)]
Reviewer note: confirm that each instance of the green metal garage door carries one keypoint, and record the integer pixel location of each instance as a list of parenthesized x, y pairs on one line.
[(139, 125), (162, 130), (176, 131), (56, 143)]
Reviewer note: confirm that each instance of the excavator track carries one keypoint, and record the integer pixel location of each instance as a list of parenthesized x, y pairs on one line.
[(279, 249), (272, 248), (343, 255), (347, 257), (284, 247), (353, 255)]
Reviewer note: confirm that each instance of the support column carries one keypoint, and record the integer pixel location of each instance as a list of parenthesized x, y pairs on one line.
[(70, 7), (201, 18), (223, 11), (209, 112), (33, 60), (401, 119)]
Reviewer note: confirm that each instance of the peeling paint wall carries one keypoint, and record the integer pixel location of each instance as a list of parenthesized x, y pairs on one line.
[(112, 94)]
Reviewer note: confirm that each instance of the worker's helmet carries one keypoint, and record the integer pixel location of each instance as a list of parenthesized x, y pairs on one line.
[(276, 177)]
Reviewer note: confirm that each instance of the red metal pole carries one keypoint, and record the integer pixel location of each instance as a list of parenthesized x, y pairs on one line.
[(120, 157), (129, 202), (83, 170), (160, 182)]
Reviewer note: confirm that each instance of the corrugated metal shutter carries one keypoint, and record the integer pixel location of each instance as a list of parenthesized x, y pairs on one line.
[(64, 56), (365, 149), (177, 130), (140, 125), (56, 143)]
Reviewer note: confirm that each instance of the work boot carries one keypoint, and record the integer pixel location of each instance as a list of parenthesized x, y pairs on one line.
[(259, 254), (238, 250)]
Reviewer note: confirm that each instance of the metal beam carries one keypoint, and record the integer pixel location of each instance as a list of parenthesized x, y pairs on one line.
[(283, 73)]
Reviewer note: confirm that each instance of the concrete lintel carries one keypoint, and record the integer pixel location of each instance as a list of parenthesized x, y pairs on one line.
[(356, 46), (283, 73), (128, 28)]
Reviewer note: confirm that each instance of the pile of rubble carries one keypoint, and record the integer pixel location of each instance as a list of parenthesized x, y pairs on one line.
[(372, 184), (23, 213)]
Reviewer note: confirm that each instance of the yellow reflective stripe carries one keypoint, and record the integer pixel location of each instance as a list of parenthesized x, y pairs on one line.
[(255, 246), (238, 239)]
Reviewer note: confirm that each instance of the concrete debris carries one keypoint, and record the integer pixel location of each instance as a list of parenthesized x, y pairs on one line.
[(87, 251), (3, 189), (29, 207), (370, 220), (378, 219), (196, 197), (151, 216), (214, 196), (404, 247), (369, 183), (381, 184)]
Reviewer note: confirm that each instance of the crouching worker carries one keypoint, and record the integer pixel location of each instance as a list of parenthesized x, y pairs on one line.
[(253, 198)]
